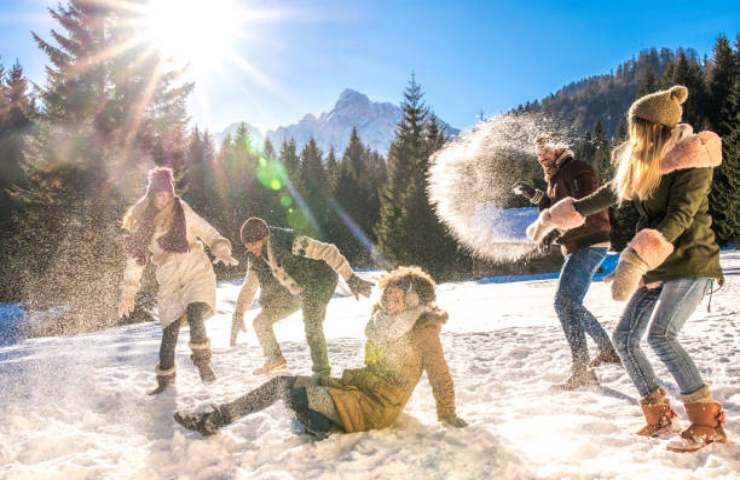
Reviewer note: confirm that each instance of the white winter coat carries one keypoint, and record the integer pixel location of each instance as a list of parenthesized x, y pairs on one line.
[(183, 278)]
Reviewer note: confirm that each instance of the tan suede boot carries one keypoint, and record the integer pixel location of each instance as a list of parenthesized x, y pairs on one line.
[(706, 417), (658, 413)]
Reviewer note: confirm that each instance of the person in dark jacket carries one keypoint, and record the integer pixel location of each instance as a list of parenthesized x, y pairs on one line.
[(584, 248), (403, 342), (293, 272), (666, 171)]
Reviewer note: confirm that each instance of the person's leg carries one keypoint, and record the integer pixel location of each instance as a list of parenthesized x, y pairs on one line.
[(166, 370), (199, 344), (263, 322), (575, 279), (591, 325), (208, 423), (677, 302), (314, 312), (314, 422), (627, 336)]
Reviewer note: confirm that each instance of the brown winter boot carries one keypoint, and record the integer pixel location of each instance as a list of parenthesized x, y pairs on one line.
[(580, 378), (605, 358), (165, 378), (658, 413), (272, 365), (201, 357), (706, 417)]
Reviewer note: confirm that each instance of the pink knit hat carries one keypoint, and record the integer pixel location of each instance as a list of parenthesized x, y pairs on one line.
[(161, 179)]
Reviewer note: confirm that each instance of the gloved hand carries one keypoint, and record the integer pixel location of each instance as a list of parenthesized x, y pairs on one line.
[(359, 286), (222, 252), (524, 189), (550, 239), (127, 303), (628, 275), (237, 325), (454, 421), (541, 227)]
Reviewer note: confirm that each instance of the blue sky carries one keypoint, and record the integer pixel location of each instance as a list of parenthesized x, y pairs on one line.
[(469, 56)]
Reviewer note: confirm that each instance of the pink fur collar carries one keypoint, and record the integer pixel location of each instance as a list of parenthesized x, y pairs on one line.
[(689, 150)]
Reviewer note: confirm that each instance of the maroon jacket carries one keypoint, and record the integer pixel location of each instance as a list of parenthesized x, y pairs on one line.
[(577, 179)]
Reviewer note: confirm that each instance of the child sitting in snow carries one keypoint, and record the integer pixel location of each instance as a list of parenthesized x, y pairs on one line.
[(402, 342)]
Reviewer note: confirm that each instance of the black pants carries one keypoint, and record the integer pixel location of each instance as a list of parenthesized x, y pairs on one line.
[(194, 313), (281, 388)]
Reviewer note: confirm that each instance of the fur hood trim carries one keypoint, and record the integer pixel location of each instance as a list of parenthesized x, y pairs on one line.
[(689, 150)]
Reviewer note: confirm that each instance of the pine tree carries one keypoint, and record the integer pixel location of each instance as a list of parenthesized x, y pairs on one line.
[(688, 72), (725, 196), (404, 160), (314, 181), (648, 82), (721, 76), (332, 170)]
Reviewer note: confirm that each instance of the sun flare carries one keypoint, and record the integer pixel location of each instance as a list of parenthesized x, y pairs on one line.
[(198, 33)]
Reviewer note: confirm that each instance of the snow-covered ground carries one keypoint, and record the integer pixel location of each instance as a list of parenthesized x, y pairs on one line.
[(75, 407)]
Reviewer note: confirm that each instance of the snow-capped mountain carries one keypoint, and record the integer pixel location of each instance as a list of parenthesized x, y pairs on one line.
[(375, 122)]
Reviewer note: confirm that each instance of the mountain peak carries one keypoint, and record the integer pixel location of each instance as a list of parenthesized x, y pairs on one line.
[(350, 97)]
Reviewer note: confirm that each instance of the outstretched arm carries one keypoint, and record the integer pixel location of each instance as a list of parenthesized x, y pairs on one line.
[(219, 245), (243, 301), (434, 363), (329, 253)]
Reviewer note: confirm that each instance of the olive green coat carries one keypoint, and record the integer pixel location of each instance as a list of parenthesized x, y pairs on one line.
[(679, 209)]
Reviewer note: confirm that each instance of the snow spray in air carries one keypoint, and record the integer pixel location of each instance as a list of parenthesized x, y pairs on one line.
[(470, 183)]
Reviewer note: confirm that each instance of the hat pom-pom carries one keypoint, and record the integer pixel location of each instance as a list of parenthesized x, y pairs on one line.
[(680, 93)]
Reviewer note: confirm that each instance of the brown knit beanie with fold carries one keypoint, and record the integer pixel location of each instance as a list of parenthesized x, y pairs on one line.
[(254, 229), (662, 107)]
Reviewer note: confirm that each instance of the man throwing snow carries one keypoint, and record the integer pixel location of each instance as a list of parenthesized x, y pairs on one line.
[(293, 271)]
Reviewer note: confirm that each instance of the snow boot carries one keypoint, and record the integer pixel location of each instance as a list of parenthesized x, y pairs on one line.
[(658, 413), (205, 423), (706, 427), (272, 365), (165, 378), (580, 378), (201, 357), (605, 358)]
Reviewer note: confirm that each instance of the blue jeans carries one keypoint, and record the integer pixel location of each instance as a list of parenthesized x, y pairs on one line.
[(665, 310), (575, 280)]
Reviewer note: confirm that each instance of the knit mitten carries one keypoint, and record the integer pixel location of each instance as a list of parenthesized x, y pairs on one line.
[(630, 270)]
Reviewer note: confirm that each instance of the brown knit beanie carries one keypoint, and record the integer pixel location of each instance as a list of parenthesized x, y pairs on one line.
[(253, 229), (662, 107)]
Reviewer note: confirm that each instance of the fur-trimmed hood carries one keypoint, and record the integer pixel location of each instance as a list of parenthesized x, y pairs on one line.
[(689, 150)]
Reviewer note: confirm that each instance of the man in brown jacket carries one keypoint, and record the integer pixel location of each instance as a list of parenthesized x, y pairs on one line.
[(402, 343), (584, 248)]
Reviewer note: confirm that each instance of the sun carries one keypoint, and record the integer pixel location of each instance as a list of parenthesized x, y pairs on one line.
[(199, 33)]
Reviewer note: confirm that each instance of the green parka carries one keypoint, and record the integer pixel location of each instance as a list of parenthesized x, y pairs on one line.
[(678, 209)]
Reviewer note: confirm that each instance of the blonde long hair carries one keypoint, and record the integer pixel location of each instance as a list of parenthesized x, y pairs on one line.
[(638, 159)]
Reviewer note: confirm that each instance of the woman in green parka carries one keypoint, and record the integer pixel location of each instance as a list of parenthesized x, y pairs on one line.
[(672, 262)]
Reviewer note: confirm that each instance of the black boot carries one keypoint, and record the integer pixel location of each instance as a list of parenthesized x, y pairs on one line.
[(165, 378), (206, 423), (201, 357)]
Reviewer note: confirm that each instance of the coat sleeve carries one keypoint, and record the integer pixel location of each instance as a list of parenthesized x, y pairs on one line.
[(202, 229), (584, 183), (603, 198), (688, 191), (247, 291), (434, 363), (132, 273), (308, 247)]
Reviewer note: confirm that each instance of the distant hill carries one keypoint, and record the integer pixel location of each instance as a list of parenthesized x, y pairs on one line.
[(605, 97)]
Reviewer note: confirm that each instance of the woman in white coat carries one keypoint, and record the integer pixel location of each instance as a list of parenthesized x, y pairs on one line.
[(166, 231)]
